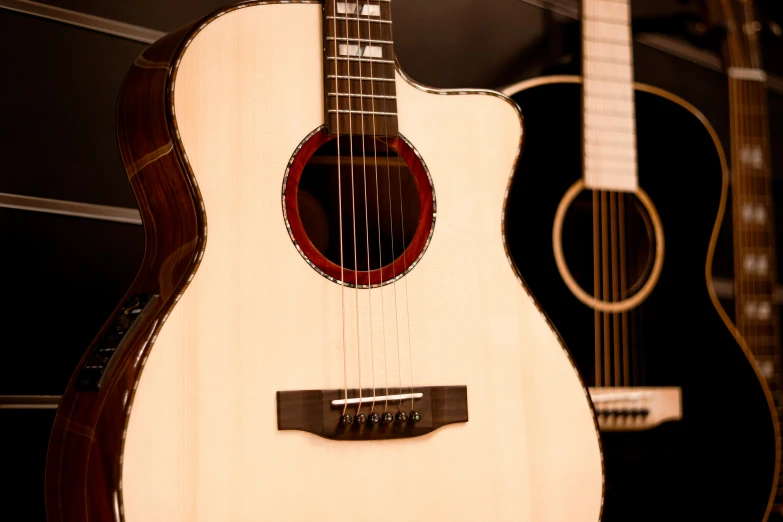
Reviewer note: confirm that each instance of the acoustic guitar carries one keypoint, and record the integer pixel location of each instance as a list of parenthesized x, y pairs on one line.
[(326, 324), (755, 261), (612, 220)]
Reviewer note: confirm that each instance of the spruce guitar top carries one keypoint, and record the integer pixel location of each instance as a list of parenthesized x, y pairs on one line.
[(612, 220), (332, 326)]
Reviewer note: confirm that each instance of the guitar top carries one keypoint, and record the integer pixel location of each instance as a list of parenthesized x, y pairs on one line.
[(326, 322)]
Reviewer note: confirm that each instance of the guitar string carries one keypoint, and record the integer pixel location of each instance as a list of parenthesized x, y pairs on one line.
[(404, 264), (600, 378), (756, 102), (615, 290), (597, 288), (388, 145), (340, 204), (360, 52), (378, 215), (740, 185), (754, 282), (605, 292), (623, 288), (353, 198)]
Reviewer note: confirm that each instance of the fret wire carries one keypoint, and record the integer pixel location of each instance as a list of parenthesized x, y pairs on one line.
[(368, 113), (348, 38), (362, 78), (605, 59), (358, 59), (342, 18), (603, 20), (380, 96)]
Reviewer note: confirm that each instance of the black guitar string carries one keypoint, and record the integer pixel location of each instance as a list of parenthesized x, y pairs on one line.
[(360, 53), (340, 199)]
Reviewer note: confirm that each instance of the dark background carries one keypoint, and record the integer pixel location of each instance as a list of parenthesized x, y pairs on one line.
[(61, 276)]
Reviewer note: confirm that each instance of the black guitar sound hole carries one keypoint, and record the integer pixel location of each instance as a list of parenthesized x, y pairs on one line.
[(380, 203), (616, 213)]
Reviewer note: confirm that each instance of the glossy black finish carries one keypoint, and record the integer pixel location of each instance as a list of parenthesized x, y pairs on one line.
[(718, 462)]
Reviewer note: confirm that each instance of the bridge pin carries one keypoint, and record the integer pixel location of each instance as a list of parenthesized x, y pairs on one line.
[(387, 417), (374, 418), (346, 419), (361, 418), (401, 416), (414, 416)]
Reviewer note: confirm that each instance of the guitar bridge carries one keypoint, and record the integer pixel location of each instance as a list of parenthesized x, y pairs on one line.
[(636, 409), (328, 414)]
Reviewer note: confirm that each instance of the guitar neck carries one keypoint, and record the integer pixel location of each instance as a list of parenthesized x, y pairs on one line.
[(754, 234), (609, 111)]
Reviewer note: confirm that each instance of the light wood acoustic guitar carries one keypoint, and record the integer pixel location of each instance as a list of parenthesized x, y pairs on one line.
[(326, 324), (612, 220)]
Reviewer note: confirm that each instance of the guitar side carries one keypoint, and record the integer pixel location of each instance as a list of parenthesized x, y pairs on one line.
[(82, 473), (194, 436)]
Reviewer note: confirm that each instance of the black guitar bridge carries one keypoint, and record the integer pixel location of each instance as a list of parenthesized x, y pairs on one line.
[(89, 378)]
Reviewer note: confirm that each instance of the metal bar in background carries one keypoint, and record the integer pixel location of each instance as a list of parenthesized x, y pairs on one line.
[(71, 208), (724, 289), (85, 21), (29, 402)]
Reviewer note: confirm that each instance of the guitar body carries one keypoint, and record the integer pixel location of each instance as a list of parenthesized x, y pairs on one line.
[(718, 461), (185, 424)]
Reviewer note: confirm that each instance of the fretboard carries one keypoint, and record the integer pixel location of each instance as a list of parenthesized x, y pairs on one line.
[(359, 68), (755, 272), (609, 113)]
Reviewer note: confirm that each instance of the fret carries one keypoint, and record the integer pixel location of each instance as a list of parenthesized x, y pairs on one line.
[(360, 72), (368, 40), (598, 107), (364, 20), (622, 72), (368, 104), (615, 51), (369, 113), (363, 95), (362, 78), (357, 59)]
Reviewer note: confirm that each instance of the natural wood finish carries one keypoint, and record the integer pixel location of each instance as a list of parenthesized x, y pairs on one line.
[(615, 407), (608, 103), (312, 411), (195, 436), (82, 467)]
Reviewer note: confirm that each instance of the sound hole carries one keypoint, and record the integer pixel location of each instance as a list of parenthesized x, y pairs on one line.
[(609, 245), (380, 193)]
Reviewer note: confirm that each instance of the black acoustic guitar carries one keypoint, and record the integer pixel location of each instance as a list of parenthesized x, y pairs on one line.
[(612, 220)]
